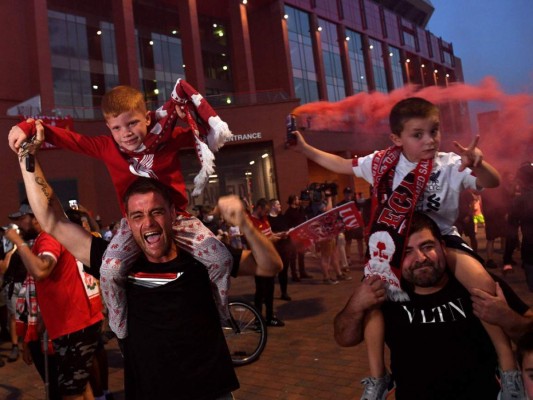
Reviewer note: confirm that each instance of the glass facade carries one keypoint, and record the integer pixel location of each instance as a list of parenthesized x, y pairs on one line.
[(84, 59), (409, 40), (244, 170), (332, 61), (378, 66), (84, 53), (447, 57), (159, 50), (161, 63), (301, 47), (396, 66), (74, 92), (373, 19), (109, 55), (357, 61), (216, 55)]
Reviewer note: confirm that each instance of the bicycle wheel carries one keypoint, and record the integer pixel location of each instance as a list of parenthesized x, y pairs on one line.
[(247, 336)]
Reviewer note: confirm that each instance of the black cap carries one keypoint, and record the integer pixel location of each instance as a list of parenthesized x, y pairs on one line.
[(24, 209)]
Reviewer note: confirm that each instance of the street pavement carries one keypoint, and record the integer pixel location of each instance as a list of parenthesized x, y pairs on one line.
[(301, 360)]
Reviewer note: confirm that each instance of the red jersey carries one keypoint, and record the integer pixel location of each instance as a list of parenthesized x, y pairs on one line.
[(262, 224), (163, 164), (64, 304)]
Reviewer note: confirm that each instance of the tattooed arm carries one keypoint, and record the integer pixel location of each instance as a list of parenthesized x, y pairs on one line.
[(48, 211)]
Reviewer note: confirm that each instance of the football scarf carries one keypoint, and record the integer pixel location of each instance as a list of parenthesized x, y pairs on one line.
[(391, 214)]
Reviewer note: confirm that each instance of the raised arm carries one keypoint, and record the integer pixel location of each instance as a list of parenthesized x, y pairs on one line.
[(327, 160), (48, 211), (93, 146), (472, 157), (262, 259), (38, 266), (348, 324)]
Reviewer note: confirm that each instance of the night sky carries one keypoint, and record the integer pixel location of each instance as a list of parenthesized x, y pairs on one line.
[(492, 37)]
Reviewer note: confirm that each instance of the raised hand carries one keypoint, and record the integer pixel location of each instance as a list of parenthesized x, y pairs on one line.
[(17, 136), (231, 209), (471, 156)]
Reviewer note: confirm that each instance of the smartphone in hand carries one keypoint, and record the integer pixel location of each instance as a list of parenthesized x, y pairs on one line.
[(291, 127)]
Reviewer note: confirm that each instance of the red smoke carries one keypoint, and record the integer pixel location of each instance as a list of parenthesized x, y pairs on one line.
[(506, 141)]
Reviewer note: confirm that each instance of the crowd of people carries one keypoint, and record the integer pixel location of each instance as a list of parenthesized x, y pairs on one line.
[(268, 217), (163, 273)]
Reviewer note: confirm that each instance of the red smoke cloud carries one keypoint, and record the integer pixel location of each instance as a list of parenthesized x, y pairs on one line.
[(506, 141)]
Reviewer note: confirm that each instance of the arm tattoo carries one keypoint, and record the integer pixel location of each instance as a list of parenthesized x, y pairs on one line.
[(45, 188)]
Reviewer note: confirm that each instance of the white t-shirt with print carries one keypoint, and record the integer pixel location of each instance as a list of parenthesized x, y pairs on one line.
[(440, 199)]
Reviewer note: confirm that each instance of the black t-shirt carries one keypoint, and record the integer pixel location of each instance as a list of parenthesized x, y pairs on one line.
[(279, 224), (175, 346), (295, 216), (439, 349)]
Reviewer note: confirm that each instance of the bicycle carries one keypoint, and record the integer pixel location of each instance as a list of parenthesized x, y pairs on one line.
[(247, 335)]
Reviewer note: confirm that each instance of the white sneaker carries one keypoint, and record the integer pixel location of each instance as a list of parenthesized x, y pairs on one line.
[(376, 388), (512, 387)]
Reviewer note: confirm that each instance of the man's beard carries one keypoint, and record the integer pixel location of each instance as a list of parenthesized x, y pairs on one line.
[(428, 278), (30, 234)]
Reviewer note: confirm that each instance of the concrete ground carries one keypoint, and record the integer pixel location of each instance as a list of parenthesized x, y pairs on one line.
[(301, 360)]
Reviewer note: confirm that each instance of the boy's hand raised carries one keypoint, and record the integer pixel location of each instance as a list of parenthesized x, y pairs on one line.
[(17, 136), (300, 142), (471, 156)]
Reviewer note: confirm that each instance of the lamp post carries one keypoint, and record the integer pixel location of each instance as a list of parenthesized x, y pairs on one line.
[(422, 74)]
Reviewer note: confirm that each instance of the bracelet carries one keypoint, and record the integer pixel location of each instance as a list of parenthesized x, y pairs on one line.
[(23, 244)]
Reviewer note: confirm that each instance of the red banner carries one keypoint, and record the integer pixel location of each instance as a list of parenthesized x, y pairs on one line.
[(327, 225)]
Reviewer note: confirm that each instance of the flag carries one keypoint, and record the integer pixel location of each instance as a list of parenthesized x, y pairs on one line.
[(327, 225)]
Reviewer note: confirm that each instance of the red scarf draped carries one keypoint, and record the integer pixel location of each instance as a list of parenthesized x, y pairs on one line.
[(391, 214)]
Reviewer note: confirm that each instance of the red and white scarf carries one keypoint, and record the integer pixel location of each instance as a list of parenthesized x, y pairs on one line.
[(207, 128), (391, 214)]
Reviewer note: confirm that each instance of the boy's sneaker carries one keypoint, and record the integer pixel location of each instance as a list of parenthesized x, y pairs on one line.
[(377, 388), (330, 281), (512, 387), (507, 268)]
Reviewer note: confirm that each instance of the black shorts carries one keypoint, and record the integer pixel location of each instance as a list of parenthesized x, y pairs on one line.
[(457, 242), (74, 353)]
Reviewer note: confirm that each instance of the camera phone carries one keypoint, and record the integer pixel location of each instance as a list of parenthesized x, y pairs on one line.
[(291, 127)]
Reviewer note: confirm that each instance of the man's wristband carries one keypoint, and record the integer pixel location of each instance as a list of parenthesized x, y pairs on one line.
[(23, 244)]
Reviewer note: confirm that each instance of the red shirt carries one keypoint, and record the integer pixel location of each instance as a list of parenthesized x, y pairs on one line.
[(163, 164), (62, 299), (262, 224)]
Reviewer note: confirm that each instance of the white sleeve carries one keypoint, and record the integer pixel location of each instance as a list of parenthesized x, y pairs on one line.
[(466, 178), (362, 167)]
